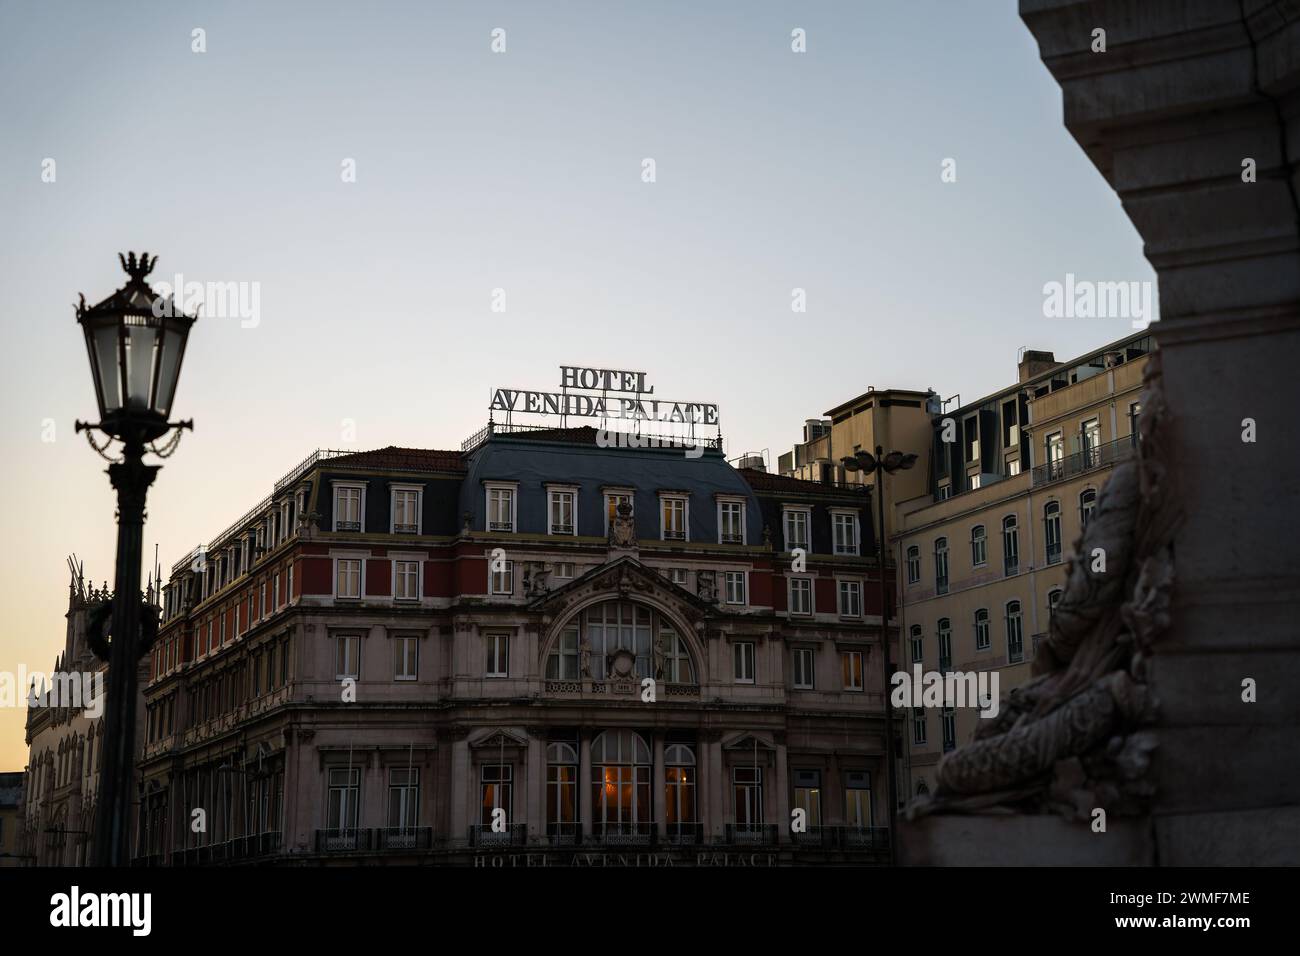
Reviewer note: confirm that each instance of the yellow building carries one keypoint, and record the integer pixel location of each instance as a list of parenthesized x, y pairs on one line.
[(981, 553)]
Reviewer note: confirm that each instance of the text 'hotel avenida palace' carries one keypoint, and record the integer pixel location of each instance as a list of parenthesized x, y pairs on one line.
[(406, 655)]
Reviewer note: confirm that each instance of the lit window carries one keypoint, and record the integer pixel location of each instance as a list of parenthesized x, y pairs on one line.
[(674, 519), (851, 666)]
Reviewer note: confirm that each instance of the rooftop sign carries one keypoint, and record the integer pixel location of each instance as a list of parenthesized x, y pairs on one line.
[(585, 393)]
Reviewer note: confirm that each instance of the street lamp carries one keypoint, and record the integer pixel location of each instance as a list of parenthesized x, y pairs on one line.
[(136, 341), (880, 465)]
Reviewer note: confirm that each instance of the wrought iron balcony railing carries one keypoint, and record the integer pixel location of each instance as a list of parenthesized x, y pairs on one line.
[(1084, 461)]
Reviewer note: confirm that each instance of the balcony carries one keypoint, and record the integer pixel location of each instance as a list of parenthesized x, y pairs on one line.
[(623, 834), (842, 838), (346, 840), (751, 834), (404, 838), (347, 526), (1085, 461), (564, 834), (684, 834), (514, 834), (406, 529), (251, 847)]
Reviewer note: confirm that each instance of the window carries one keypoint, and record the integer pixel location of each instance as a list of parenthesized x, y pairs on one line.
[(503, 579), (561, 789), (620, 784), (344, 799), (945, 492), (735, 582), (918, 644), (406, 580), (913, 564), (406, 654), (796, 528), (982, 640), (673, 527), (501, 507), (949, 720), (612, 501), (1134, 413), (1052, 524), (678, 576), (850, 598), (1053, 599), (845, 525), (1015, 634), (495, 792), (851, 666), (562, 663), (801, 599), (1087, 504), (348, 578), (979, 552), (498, 654), (803, 668), (731, 522), (1010, 545), (564, 569), (808, 796), (742, 657), (941, 565), (403, 797), (1055, 456), (1090, 440), (857, 799), (348, 508), (1013, 466), (563, 512), (747, 794), (918, 725), (679, 790), (945, 644), (974, 481), (406, 510), (347, 657)]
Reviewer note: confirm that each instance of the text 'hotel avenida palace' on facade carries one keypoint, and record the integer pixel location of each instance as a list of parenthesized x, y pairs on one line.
[(405, 655)]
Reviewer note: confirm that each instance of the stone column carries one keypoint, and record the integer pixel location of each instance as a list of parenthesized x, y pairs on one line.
[(584, 782), (657, 784), (704, 771), (781, 782), (460, 791), (536, 782), (718, 794)]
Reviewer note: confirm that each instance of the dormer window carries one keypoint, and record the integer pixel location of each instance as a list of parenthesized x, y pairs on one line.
[(674, 514), (731, 521), (562, 508), (349, 507), (501, 507), (406, 509)]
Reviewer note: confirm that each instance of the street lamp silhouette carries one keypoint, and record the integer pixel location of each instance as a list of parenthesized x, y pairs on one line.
[(881, 464), (136, 341)]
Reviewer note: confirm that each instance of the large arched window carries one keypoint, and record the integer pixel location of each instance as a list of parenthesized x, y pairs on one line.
[(620, 785), (679, 794), (620, 639), (561, 792)]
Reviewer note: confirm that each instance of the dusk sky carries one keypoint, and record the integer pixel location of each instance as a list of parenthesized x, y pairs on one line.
[(519, 171)]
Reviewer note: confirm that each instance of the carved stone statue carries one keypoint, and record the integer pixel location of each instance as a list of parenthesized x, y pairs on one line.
[(659, 655), (622, 527), (705, 587), (1075, 736), (584, 658)]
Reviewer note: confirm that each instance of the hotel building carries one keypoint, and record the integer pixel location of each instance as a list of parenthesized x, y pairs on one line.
[(527, 645)]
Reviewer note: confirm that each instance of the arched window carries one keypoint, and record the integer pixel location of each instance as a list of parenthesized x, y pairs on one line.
[(1087, 502), (561, 792), (982, 639), (945, 645), (1015, 633), (941, 565), (979, 552), (1052, 526), (1010, 545), (918, 644), (620, 784), (616, 635), (913, 564), (679, 793), (1053, 599)]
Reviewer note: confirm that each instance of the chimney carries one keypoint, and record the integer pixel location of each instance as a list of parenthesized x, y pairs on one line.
[(1035, 363)]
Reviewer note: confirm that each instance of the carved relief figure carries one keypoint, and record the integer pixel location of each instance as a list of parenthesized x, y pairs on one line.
[(622, 527)]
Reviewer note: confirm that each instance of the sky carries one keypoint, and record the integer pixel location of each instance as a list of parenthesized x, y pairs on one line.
[(377, 172)]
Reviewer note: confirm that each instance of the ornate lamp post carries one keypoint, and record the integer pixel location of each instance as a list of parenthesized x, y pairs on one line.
[(881, 464), (136, 341)]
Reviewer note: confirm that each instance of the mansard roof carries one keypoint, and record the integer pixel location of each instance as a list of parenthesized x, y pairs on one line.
[(393, 458)]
